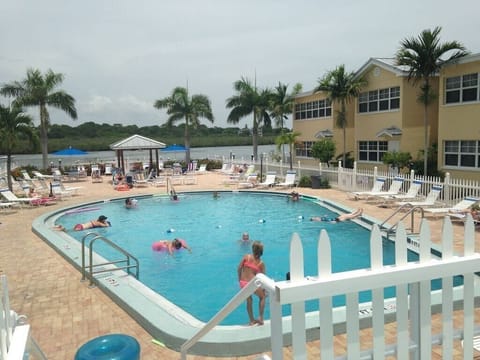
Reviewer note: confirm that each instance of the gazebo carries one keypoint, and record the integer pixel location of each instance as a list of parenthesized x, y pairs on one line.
[(137, 142)]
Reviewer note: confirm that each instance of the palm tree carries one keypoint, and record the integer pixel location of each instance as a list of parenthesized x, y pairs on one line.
[(250, 100), (182, 107), (424, 58), (282, 105), (41, 90), (341, 87), (289, 139), (14, 126)]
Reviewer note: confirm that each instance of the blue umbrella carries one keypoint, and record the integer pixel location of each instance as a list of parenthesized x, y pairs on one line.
[(69, 152), (174, 148)]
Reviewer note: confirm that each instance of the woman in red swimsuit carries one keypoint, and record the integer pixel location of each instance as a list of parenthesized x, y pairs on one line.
[(251, 265)]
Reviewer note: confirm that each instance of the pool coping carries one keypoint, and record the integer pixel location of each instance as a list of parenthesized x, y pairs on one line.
[(156, 311)]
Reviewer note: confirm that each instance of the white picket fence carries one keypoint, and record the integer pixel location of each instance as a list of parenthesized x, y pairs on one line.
[(16, 342), (454, 189), (413, 302)]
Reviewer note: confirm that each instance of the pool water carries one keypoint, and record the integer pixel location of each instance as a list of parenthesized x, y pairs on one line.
[(203, 281)]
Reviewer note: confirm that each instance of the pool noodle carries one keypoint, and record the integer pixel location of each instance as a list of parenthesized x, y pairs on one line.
[(82, 210)]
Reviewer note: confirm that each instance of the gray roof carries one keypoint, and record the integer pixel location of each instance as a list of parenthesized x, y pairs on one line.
[(137, 142)]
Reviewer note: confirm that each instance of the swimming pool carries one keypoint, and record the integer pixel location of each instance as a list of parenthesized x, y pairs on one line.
[(213, 233)]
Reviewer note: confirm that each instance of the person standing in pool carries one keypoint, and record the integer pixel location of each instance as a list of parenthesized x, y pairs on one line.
[(339, 218), (251, 265)]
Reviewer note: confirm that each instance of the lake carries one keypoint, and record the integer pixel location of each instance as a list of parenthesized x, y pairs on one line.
[(241, 153)]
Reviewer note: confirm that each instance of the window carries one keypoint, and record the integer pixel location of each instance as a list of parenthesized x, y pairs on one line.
[(379, 100), (462, 153), (304, 149), (372, 150), (460, 89), (313, 110)]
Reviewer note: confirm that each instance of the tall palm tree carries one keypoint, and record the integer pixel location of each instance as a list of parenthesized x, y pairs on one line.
[(289, 139), (249, 100), (282, 105), (341, 87), (190, 109), (14, 126), (424, 57), (41, 90)]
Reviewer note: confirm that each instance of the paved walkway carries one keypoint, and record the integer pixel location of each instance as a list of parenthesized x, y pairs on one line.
[(65, 313)]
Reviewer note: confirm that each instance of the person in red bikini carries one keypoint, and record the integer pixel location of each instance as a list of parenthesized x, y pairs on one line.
[(251, 265), (100, 222)]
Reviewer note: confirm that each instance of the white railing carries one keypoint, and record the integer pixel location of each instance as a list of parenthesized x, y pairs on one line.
[(16, 342), (413, 302)]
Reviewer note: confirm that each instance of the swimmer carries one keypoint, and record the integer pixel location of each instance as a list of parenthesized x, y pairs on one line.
[(170, 246), (245, 239), (173, 195), (100, 222), (339, 218), (130, 203), (294, 196)]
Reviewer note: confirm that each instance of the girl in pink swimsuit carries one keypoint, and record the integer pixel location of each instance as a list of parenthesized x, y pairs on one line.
[(251, 265)]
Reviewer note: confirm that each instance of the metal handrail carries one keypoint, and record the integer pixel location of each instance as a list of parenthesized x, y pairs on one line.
[(91, 266), (260, 280), (94, 234), (410, 212)]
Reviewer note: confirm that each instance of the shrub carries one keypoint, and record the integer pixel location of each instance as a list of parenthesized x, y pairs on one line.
[(305, 181)]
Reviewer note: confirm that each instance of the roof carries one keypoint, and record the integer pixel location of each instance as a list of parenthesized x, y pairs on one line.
[(137, 142), (388, 64), (390, 131), (327, 133)]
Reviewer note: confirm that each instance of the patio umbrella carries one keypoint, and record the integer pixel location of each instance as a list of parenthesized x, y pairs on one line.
[(174, 148), (69, 152)]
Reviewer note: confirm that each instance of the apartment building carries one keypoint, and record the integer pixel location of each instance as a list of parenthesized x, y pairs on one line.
[(387, 116), (459, 118)]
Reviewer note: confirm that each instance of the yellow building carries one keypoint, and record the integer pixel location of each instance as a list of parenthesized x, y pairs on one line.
[(386, 116), (313, 118), (459, 118)]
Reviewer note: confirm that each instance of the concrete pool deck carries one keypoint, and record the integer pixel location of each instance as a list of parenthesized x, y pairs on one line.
[(65, 313)]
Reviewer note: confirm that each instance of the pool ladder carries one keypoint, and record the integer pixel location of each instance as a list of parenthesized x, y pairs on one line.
[(99, 268), (411, 211)]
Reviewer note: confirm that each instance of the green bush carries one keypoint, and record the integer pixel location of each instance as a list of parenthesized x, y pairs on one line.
[(305, 181)]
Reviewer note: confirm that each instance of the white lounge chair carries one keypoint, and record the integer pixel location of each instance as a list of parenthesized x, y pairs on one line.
[(458, 210), (39, 175), (411, 194), (270, 180), (12, 198), (201, 170), (430, 200), (376, 188), (249, 182), (394, 189), (289, 179)]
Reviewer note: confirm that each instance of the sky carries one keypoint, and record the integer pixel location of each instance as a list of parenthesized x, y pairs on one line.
[(119, 56)]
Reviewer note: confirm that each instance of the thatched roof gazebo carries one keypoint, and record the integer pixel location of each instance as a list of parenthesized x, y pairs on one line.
[(137, 142)]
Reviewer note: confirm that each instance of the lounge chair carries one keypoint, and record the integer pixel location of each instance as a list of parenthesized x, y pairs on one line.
[(249, 182), (270, 180), (458, 210), (430, 200), (376, 188), (12, 198), (411, 194), (36, 199), (289, 180), (201, 170), (39, 175), (394, 189)]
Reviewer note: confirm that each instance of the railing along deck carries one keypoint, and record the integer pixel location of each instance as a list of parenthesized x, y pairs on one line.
[(413, 303)]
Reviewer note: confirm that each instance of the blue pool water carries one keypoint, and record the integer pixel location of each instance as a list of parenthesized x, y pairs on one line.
[(203, 281)]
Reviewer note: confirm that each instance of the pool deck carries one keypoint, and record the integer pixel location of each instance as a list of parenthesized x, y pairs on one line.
[(65, 313)]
